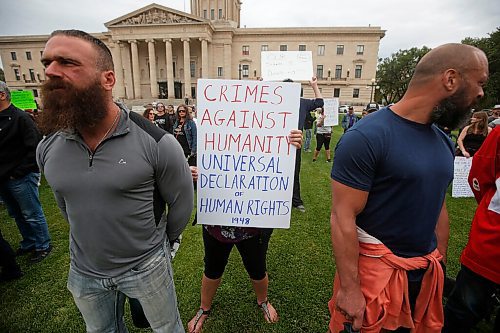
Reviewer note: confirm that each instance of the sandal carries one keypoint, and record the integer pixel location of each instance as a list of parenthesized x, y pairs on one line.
[(200, 313), (264, 306)]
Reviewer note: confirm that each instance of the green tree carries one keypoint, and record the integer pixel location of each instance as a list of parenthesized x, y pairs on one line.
[(2, 75), (491, 46), (394, 73)]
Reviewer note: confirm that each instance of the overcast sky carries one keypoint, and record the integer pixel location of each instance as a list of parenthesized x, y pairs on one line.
[(409, 23)]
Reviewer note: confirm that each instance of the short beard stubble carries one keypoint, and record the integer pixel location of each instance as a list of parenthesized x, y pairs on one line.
[(453, 112)]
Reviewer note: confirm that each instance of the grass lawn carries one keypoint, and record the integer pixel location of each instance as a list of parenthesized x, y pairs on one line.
[(300, 268)]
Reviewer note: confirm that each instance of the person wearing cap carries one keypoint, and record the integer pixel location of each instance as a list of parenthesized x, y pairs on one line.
[(349, 119), (495, 116)]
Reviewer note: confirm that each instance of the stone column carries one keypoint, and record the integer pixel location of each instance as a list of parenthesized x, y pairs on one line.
[(129, 90), (136, 73), (187, 68), (119, 89), (204, 58), (227, 62), (153, 80), (170, 68)]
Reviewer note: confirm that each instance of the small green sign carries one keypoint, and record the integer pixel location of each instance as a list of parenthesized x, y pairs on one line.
[(23, 99)]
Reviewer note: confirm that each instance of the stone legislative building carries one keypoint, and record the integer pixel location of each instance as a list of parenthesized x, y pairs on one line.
[(160, 52)]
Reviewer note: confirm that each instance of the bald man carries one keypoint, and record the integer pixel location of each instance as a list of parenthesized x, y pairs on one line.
[(389, 178)]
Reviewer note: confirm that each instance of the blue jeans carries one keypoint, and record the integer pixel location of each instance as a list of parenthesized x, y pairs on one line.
[(23, 204), (470, 301), (307, 142), (101, 300)]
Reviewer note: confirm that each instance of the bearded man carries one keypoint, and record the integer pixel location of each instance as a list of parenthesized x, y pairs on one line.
[(389, 178), (112, 172)]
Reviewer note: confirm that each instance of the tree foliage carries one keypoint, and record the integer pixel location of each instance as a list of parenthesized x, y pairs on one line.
[(394, 73), (491, 46)]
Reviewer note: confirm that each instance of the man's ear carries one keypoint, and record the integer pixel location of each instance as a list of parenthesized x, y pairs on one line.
[(450, 79), (108, 80)]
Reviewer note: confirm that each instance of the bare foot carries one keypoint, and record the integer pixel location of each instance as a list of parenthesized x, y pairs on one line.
[(196, 324), (270, 314)]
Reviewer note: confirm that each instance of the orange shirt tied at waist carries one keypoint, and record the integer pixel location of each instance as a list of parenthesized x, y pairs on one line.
[(384, 283)]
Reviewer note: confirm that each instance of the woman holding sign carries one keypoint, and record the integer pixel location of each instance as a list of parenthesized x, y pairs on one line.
[(323, 136), (252, 244)]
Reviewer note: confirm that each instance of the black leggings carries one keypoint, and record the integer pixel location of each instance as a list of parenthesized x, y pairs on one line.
[(253, 253), (323, 139)]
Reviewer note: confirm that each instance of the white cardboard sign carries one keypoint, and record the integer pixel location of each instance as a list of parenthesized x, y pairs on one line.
[(460, 187), (331, 108), (245, 162), (281, 65)]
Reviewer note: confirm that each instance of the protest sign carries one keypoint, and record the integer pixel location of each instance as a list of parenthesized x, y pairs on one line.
[(281, 65), (23, 99), (331, 108), (460, 187), (244, 158)]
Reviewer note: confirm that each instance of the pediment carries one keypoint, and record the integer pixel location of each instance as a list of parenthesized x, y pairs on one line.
[(154, 14)]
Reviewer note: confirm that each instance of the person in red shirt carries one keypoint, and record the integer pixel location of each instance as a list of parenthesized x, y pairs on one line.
[(479, 278)]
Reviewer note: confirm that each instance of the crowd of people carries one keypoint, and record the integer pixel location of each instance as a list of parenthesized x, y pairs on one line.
[(390, 250)]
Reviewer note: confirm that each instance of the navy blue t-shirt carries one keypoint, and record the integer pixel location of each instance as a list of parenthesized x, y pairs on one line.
[(406, 167)]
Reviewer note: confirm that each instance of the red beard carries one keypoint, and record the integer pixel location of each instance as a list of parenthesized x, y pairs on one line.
[(66, 107)]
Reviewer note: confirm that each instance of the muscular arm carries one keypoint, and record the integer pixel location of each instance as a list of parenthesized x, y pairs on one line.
[(347, 203), (443, 231), (175, 183)]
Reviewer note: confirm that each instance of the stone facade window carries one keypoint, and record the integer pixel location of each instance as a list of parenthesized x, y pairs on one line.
[(321, 50), (220, 72), (338, 71), (13, 55), (355, 93), (245, 50), (192, 68), (283, 48), (17, 74), (360, 49), (245, 69), (357, 71), (336, 92), (28, 55), (340, 49), (32, 75), (302, 48), (264, 47), (319, 71)]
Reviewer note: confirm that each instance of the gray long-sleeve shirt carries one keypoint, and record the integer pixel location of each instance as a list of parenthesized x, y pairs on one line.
[(114, 199)]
